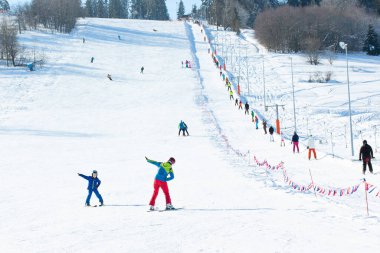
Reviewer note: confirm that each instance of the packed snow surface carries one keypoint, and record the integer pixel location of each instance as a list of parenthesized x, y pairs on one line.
[(68, 118)]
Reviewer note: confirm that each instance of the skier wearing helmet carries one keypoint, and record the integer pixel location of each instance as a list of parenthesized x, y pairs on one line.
[(165, 173), (93, 184)]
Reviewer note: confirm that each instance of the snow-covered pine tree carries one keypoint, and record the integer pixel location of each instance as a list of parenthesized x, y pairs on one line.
[(181, 10), (371, 43)]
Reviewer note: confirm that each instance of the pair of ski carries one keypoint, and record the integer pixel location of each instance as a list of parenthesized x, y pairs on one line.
[(165, 210)]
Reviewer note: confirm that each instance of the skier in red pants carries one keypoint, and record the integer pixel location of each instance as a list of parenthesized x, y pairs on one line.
[(164, 174)]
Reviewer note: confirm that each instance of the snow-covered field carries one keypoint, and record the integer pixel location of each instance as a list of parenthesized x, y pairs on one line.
[(68, 118)]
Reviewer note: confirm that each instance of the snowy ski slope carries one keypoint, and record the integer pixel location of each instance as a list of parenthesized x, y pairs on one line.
[(68, 118)]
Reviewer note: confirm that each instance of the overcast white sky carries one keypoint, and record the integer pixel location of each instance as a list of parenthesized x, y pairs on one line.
[(171, 4)]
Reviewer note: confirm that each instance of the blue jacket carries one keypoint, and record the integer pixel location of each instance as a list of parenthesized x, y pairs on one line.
[(182, 125), (93, 183), (164, 170)]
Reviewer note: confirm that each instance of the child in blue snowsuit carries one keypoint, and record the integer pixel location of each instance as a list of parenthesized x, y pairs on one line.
[(93, 184)]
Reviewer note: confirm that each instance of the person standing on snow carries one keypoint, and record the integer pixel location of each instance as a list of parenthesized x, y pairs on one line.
[(295, 140), (182, 127), (240, 105), (109, 77), (246, 106), (271, 131), (142, 70), (265, 126), (366, 153), (257, 122), (253, 116), (165, 173), (236, 102), (93, 185), (92, 59), (231, 95), (311, 147)]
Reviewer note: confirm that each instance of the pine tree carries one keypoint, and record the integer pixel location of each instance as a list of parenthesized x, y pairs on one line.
[(161, 10), (138, 9), (181, 10), (371, 44), (101, 9), (115, 9), (294, 3), (4, 5), (194, 10), (90, 8)]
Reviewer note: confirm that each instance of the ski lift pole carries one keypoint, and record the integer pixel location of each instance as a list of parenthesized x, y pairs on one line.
[(278, 129)]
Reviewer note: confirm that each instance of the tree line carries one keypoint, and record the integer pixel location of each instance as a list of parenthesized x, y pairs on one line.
[(134, 9), (312, 29)]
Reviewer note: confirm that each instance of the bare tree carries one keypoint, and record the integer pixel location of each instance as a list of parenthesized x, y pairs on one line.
[(8, 40)]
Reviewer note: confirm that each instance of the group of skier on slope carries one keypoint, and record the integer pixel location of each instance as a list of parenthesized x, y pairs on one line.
[(165, 170)]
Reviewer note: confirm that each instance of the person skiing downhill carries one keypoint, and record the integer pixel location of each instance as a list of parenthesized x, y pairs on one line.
[(165, 173), (265, 126), (257, 122), (236, 102), (311, 147), (231, 95), (109, 77), (93, 185), (142, 70), (366, 153), (295, 140), (253, 116), (240, 105), (182, 127), (246, 106), (271, 131)]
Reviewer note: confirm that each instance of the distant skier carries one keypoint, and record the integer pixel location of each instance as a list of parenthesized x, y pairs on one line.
[(165, 173), (142, 70), (92, 59), (187, 63), (295, 140), (236, 102), (93, 185), (229, 86), (84, 40), (182, 127), (119, 37), (246, 106), (257, 122), (271, 131), (182, 63), (231, 95), (282, 139), (240, 105), (311, 147), (265, 126), (253, 116), (109, 77), (366, 153)]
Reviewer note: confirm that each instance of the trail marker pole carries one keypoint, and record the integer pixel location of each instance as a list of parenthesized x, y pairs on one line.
[(312, 181)]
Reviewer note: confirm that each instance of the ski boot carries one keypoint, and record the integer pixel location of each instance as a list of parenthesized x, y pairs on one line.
[(87, 204), (169, 207), (101, 204), (151, 208)]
